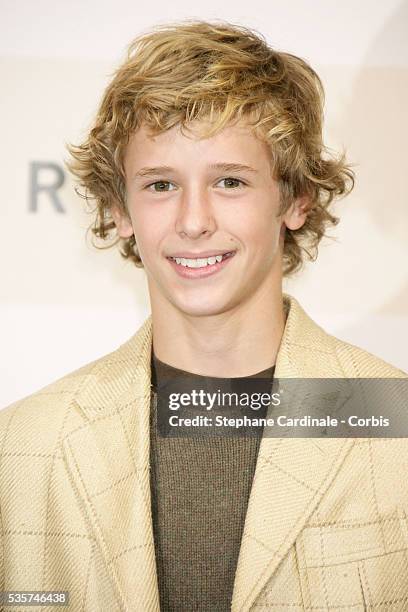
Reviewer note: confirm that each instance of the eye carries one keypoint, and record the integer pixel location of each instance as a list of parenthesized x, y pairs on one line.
[(162, 185), (230, 180)]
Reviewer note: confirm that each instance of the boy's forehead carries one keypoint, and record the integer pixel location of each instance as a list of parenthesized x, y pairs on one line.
[(235, 145)]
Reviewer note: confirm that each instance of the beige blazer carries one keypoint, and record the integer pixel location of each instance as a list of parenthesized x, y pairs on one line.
[(327, 520)]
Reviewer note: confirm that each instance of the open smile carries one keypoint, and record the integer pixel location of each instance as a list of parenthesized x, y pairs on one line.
[(200, 267)]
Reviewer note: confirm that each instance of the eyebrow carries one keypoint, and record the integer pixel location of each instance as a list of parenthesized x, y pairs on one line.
[(225, 167)]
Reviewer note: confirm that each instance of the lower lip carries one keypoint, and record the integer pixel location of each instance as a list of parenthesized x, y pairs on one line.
[(203, 272)]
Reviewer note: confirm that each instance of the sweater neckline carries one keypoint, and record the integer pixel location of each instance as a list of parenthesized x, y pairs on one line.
[(161, 370)]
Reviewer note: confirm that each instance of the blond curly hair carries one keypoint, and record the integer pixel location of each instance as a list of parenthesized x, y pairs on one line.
[(196, 70)]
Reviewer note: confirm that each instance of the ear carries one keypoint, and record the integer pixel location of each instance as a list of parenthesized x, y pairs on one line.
[(296, 215), (122, 222)]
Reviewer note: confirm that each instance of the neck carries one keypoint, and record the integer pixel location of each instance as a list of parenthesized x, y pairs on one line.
[(238, 342)]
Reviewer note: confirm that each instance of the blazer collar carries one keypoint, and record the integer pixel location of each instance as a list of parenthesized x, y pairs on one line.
[(107, 458)]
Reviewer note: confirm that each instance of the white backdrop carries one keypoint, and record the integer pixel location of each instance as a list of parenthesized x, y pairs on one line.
[(63, 303)]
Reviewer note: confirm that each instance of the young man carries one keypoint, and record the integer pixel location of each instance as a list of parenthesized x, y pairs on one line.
[(206, 158)]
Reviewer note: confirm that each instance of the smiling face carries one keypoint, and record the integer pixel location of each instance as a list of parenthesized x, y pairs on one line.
[(210, 196)]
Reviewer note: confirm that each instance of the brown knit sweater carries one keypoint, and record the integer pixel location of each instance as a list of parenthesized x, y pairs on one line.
[(200, 489)]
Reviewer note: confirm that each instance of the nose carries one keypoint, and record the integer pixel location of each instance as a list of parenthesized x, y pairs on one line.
[(195, 214)]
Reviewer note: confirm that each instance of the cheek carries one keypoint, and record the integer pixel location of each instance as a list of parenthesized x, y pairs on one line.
[(264, 233), (149, 234), (257, 220)]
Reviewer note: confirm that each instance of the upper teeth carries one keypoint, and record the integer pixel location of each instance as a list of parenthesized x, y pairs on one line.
[(198, 263)]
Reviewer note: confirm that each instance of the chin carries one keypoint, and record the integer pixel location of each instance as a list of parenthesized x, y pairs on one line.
[(200, 309)]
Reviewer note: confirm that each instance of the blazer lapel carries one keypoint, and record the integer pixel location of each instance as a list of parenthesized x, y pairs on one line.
[(108, 462), (292, 474)]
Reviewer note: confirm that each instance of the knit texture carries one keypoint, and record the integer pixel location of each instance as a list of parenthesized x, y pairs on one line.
[(200, 489)]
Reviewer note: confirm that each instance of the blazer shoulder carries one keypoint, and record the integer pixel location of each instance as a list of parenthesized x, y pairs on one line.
[(39, 420), (317, 353), (359, 363)]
